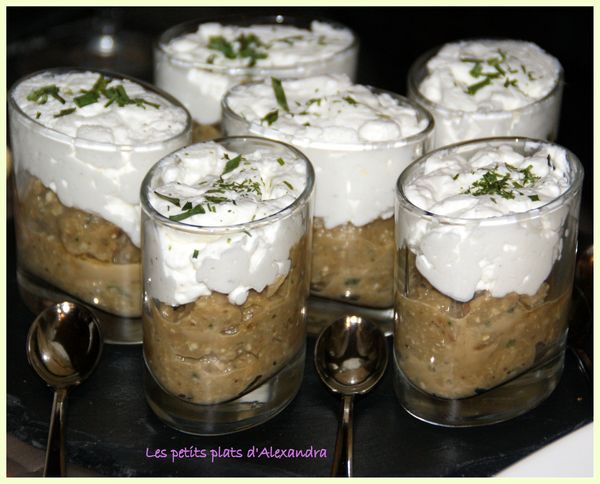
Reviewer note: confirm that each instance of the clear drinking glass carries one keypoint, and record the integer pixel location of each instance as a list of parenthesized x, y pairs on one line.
[(539, 119), (201, 86), (66, 249), (212, 366), (487, 359), (351, 263)]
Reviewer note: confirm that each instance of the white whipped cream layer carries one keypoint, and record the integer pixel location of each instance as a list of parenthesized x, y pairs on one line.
[(95, 157), (198, 68), (488, 233), (487, 88), (182, 265), (359, 140)]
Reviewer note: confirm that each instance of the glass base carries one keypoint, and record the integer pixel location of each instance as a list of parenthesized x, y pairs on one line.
[(321, 312), (249, 410), (38, 295), (501, 403)]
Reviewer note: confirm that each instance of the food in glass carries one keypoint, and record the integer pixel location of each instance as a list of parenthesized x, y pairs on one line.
[(485, 88), (82, 142), (226, 229), (359, 140), (199, 62), (486, 234)]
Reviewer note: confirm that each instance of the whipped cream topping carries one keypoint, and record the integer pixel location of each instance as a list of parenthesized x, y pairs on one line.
[(147, 117), (206, 185), (276, 45), (324, 110), (92, 142), (484, 244), (358, 139), (200, 67), (489, 75)]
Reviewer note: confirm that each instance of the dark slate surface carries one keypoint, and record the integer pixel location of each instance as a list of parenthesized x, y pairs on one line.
[(110, 427)]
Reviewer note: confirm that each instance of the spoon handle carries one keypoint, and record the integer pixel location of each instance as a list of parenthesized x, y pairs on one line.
[(342, 458), (55, 452)]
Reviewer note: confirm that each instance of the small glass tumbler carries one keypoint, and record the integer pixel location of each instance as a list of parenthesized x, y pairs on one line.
[(490, 358), (539, 119), (201, 85), (353, 231), (77, 210), (211, 366)]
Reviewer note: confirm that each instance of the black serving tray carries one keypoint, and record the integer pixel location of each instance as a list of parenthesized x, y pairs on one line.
[(110, 429)]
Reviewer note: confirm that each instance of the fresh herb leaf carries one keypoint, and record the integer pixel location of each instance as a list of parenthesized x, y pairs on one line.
[(41, 94), (64, 112), (271, 117), (280, 161), (534, 198), (189, 213), (214, 199), (279, 94), (173, 200), (195, 254), (89, 97), (232, 164), (218, 42)]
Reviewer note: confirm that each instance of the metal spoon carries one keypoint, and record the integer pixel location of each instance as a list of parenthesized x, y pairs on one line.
[(350, 358), (64, 344)]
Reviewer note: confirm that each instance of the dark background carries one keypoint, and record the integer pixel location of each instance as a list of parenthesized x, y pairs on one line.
[(388, 441), (391, 38)]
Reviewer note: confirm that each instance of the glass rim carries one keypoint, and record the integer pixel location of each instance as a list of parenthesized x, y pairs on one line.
[(59, 135), (254, 71), (421, 61), (336, 146), (576, 182), (300, 201)]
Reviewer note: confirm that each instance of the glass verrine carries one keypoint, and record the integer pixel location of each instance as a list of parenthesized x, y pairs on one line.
[(451, 82), (225, 285), (82, 142), (486, 235), (340, 130), (198, 61)]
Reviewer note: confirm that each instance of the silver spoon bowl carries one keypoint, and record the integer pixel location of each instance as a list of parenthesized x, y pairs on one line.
[(350, 358), (64, 345)]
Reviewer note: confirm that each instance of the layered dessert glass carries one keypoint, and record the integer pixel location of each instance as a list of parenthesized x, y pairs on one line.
[(486, 235), (226, 261), (489, 87), (82, 142), (199, 61), (359, 140)]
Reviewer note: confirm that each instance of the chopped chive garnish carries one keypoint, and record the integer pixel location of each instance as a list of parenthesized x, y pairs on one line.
[(288, 184), (218, 42), (191, 212), (37, 115), (271, 117), (64, 112), (350, 100), (174, 201), (195, 254), (534, 198), (89, 97), (280, 161), (41, 94), (187, 206), (232, 164), (247, 233), (455, 176), (473, 88), (279, 94), (213, 199), (314, 100)]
